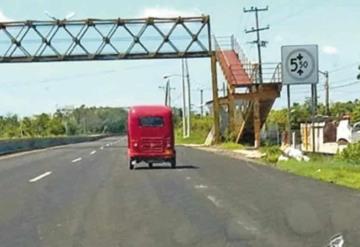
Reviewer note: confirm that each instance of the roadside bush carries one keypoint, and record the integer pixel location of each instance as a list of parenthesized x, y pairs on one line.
[(350, 154), (272, 154), (200, 127)]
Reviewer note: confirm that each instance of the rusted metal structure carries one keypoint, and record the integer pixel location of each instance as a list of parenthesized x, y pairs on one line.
[(113, 39), (110, 39), (248, 110)]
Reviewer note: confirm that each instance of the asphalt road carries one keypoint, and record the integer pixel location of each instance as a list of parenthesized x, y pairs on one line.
[(84, 195)]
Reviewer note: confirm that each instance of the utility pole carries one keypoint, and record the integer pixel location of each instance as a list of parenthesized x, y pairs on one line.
[(258, 41), (201, 101), (167, 90), (189, 98), (185, 129), (327, 100), (166, 95), (313, 113)]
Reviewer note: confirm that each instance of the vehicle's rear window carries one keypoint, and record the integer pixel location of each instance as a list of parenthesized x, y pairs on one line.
[(151, 121)]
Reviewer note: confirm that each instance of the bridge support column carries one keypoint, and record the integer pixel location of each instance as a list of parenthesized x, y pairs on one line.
[(257, 123), (231, 112), (216, 105)]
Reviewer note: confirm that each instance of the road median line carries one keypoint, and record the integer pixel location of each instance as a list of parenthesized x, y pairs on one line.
[(40, 177), (76, 160)]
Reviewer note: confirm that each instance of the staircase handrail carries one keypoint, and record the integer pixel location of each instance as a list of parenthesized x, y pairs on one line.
[(277, 74), (218, 48), (243, 58)]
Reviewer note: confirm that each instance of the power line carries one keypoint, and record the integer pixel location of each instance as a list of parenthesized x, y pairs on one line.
[(282, 20), (347, 66), (346, 85), (299, 92), (177, 98), (343, 80)]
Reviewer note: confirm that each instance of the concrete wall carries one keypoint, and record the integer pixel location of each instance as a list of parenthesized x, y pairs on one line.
[(20, 145)]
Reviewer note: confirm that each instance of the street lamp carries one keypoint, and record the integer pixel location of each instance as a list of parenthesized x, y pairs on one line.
[(184, 65), (183, 101)]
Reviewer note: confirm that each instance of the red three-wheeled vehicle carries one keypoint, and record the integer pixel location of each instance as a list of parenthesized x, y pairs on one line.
[(151, 135)]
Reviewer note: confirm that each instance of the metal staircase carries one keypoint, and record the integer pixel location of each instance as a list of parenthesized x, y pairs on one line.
[(239, 72)]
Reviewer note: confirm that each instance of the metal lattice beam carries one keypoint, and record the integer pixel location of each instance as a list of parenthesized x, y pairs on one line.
[(94, 39)]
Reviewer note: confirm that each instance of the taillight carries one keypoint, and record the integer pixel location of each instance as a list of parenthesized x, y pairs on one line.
[(134, 144), (168, 143)]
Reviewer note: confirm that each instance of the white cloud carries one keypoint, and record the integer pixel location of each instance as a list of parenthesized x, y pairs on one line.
[(328, 49), (168, 12), (279, 38), (3, 17)]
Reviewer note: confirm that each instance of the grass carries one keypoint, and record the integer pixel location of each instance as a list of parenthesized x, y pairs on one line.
[(230, 146), (195, 138), (325, 168), (272, 153)]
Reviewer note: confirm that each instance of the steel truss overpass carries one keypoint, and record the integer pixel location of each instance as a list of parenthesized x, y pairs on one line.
[(110, 39)]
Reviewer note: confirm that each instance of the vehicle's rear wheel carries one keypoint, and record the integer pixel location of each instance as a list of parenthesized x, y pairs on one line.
[(150, 165), (131, 165), (173, 163)]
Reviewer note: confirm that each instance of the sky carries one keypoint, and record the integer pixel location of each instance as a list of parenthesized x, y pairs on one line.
[(28, 89)]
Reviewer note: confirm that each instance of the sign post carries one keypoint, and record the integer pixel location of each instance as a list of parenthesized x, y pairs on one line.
[(300, 65), (289, 114)]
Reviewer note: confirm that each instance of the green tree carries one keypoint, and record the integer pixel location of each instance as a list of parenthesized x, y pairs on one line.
[(41, 124), (356, 113), (55, 126), (10, 126), (27, 127), (81, 120), (278, 117)]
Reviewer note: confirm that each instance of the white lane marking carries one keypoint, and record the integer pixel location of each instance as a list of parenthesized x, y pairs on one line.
[(93, 152), (107, 144), (40, 177), (200, 186), (215, 201), (188, 178), (247, 227), (101, 148), (76, 160)]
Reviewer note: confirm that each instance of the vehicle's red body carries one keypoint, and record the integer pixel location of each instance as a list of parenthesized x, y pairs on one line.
[(150, 135)]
